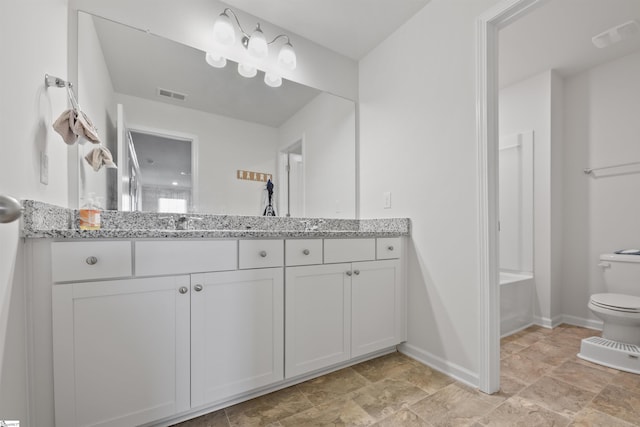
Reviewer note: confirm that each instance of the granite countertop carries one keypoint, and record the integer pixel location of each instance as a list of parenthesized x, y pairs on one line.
[(42, 220)]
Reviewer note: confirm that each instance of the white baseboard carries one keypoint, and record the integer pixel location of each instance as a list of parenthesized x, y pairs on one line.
[(581, 321), (547, 322), (451, 369)]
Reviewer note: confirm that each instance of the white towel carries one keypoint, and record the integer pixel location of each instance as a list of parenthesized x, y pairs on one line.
[(73, 124), (64, 126), (100, 156), (84, 128)]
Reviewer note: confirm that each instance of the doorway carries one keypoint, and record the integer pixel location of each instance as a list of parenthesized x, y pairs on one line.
[(291, 161)]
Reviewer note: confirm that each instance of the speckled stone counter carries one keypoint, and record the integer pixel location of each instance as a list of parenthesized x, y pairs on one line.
[(42, 220)]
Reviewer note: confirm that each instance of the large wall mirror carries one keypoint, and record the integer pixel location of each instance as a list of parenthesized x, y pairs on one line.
[(188, 137)]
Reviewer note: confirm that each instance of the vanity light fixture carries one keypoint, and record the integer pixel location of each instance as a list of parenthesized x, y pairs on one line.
[(255, 44)]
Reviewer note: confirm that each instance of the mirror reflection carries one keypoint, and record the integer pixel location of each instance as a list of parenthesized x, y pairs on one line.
[(188, 137)]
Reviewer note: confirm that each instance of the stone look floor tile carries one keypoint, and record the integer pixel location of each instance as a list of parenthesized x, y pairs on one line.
[(383, 367), (519, 412), (404, 418), (338, 413), (557, 396), (336, 384), (452, 406), (268, 409), (585, 377), (508, 348), (548, 353), (524, 368), (510, 386), (385, 397), (618, 402), (627, 381), (589, 417), (213, 419), (425, 378)]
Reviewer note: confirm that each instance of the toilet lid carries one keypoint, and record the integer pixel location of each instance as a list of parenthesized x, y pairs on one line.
[(617, 302)]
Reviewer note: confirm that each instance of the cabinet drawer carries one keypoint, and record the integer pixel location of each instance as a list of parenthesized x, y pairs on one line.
[(261, 253), (348, 250), (303, 252), (184, 256), (388, 248), (90, 260)]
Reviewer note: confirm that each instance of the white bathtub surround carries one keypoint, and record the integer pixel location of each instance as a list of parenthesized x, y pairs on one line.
[(516, 302)]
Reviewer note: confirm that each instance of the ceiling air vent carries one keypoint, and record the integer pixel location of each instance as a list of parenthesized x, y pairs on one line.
[(172, 94)]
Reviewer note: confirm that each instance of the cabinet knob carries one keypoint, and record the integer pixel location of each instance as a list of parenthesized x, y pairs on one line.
[(183, 290), (306, 252), (390, 247), (92, 260), (356, 272), (263, 254), (197, 288), (349, 273)]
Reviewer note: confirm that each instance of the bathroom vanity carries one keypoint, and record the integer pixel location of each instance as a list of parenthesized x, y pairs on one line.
[(155, 326)]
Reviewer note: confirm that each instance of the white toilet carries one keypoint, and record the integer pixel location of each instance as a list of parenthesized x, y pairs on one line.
[(619, 309)]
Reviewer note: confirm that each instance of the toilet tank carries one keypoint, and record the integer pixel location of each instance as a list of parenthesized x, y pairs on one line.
[(621, 273)]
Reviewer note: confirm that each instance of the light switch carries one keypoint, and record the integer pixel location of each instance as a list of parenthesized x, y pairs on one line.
[(387, 199), (44, 168)]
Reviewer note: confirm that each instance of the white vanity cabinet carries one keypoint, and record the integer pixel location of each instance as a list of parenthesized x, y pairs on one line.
[(121, 351), (237, 331), (318, 317), (149, 330), (342, 310)]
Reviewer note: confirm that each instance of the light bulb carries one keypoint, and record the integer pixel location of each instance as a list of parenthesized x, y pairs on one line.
[(287, 57), (272, 79), (223, 30), (247, 71), (258, 44), (216, 60)]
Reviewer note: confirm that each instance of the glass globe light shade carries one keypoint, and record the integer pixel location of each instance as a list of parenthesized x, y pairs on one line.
[(287, 57), (258, 44), (247, 71), (272, 79), (223, 30), (215, 59)]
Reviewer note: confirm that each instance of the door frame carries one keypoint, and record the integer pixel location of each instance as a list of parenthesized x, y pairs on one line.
[(487, 26)]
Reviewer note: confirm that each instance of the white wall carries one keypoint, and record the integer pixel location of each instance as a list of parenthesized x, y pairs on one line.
[(96, 99), (27, 111), (601, 214), (225, 145), (327, 126), (418, 141), (528, 105), (190, 22)]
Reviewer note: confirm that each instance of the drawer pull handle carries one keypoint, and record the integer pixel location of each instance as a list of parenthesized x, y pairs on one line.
[(306, 252), (92, 260), (263, 254), (349, 273), (356, 272), (390, 248), (197, 288), (183, 290)]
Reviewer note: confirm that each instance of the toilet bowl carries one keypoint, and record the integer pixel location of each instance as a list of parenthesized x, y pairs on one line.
[(620, 314), (619, 310)]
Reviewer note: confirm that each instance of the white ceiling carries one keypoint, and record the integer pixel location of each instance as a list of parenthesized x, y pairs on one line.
[(558, 35), (349, 27), (163, 160)]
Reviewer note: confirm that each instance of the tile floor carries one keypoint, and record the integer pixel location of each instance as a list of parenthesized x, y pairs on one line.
[(543, 384)]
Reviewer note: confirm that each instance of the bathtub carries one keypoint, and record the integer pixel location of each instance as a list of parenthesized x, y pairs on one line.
[(516, 301)]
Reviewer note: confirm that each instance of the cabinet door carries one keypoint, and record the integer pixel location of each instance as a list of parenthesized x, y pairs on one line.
[(237, 332), (377, 302), (318, 317), (121, 351)]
